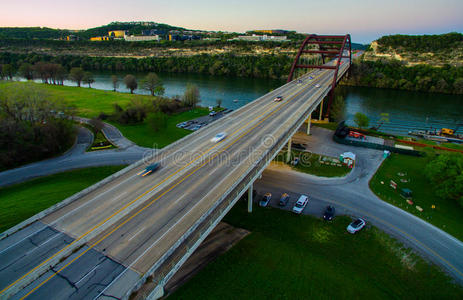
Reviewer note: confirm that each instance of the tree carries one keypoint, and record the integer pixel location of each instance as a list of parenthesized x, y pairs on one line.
[(8, 71), (131, 82), (218, 102), (96, 124), (446, 174), (157, 120), (458, 86), (77, 75), (26, 70), (115, 81), (88, 78), (337, 109), (191, 96), (361, 120), (153, 84)]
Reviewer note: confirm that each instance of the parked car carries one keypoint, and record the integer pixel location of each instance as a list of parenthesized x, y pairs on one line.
[(356, 226), (149, 169), (265, 200), (329, 213), (218, 137), (317, 85), (182, 125), (196, 127), (212, 113), (310, 77), (283, 199), (278, 99), (300, 204)]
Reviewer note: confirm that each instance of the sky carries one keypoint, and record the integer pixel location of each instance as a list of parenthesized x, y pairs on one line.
[(365, 20)]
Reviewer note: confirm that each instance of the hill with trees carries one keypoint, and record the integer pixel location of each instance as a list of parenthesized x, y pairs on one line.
[(436, 50)]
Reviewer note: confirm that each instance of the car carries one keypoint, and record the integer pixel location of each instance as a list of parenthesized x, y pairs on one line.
[(196, 127), (310, 77), (265, 200), (283, 199), (299, 82), (278, 99), (356, 226), (298, 146), (218, 137), (300, 204), (149, 169), (329, 213), (212, 114), (182, 125), (317, 85)]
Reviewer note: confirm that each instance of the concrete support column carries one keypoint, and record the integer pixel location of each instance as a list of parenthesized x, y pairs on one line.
[(309, 121), (250, 198), (288, 155), (321, 111)]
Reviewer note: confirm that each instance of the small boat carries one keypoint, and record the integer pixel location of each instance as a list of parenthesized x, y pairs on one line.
[(236, 100)]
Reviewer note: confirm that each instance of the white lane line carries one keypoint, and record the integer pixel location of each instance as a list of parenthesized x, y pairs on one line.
[(89, 272), (137, 233), (179, 220)]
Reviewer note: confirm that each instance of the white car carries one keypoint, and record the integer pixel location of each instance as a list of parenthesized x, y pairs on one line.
[(218, 137), (317, 85), (300, 204), (355, 226)]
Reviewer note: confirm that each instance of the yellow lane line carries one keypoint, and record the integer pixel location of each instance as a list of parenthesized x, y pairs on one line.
[(157, 198), (146, 192)]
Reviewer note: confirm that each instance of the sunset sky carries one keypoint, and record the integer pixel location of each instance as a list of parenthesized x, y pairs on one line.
[(366, 20)]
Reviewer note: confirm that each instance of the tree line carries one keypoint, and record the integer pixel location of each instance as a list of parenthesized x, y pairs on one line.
[(32, 126), (422, 43), (259, 66), (394, 74)]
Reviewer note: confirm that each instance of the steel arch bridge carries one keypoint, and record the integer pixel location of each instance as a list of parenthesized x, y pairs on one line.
[(330, 48)]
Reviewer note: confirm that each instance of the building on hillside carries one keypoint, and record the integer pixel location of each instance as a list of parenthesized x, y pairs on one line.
[(72, 37), (260, 38), (100, 38), (117, 34), (272, 31), (183, 37), (141, 38)]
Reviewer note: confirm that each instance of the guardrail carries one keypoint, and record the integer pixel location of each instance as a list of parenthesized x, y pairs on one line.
[(173, 259)]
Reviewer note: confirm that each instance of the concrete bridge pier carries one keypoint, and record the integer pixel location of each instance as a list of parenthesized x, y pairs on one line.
[(309, 121), (250, 198), (288, 154), (320, 117)]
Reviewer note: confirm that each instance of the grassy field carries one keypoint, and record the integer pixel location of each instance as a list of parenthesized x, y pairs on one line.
[(300, 257), (447, 215), (87, 102), (310, 163), (21, 201), (143, 135)]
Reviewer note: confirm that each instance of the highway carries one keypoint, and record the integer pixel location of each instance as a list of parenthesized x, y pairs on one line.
[(100, 244)]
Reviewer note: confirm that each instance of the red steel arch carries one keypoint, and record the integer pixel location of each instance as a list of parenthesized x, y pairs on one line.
[(331, 46)]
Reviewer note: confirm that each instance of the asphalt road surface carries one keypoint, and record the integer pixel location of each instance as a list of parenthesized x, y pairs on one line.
[(134, 220), (351, 196)]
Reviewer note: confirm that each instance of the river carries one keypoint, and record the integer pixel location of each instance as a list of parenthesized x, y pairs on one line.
[(398, 111)]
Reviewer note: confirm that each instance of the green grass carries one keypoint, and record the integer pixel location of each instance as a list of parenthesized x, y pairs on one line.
[(87, 102), (100, 141), (21, 201), (310, 163), (300, 257), (330, 125), (143, 135), (447, 215)]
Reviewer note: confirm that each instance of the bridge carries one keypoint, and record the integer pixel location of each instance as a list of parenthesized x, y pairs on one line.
[(108, 240)]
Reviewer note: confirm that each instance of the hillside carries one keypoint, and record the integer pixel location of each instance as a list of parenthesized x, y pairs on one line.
[(51, 33), (435, 50)]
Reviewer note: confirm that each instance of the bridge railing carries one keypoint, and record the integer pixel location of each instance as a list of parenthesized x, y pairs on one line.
[(173, 259)]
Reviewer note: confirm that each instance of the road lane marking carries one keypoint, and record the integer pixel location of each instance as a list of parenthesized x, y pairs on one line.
[(292, 96), (176, 184), (136, 233)]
